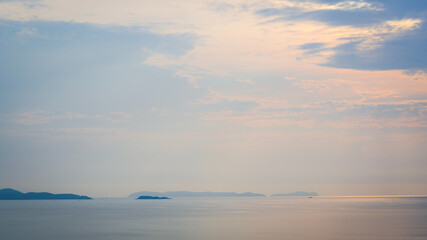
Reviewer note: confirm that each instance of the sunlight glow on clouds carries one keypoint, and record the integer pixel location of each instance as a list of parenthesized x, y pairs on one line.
[(386, 31), (313, 6)]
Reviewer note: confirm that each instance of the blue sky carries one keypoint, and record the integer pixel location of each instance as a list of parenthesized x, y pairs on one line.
[(108, 98)]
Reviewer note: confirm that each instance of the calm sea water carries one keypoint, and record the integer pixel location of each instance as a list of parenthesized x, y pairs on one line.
[(224, 218)]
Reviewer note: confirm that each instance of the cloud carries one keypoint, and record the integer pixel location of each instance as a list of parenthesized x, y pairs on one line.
[(356, 108), (44, 117), (28, 3), (161, 60), (385, 51), (384, 35), (313, 48), (316, 86), (290, 78), (394, 44), (248, 81), (311, 6), (27, 32), (19, 1), (355, 13), (229, 105), (34, 118)]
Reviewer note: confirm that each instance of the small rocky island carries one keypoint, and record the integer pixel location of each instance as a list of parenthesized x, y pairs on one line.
[(12, 194), (296, 194), (151, 197), (178, 194)]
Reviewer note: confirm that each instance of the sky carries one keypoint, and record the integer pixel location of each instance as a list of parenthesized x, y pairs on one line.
[(106, 98)]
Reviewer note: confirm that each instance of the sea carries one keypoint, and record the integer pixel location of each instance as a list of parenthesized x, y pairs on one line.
[(281, 218)]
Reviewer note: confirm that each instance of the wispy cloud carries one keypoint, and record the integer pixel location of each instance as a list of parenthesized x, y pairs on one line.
[(309, 6), (248, 81), (44, 117), (349, 115), (386, 31)]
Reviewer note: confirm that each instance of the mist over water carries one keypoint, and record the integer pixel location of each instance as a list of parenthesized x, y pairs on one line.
[(215, 218)]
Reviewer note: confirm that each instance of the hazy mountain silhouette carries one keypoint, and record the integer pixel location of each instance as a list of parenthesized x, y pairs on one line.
[(195, 194), (295, 194), (12, 194), (151, 197)]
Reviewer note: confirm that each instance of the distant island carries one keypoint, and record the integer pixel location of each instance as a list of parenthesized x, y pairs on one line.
[(195, 194), (151, 197), (12, 194), (296, 194)]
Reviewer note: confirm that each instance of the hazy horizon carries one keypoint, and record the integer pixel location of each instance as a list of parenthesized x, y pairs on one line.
[(394, 195), (107, 98)]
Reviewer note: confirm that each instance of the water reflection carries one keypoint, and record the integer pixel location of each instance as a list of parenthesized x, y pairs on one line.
[(222, 218)]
